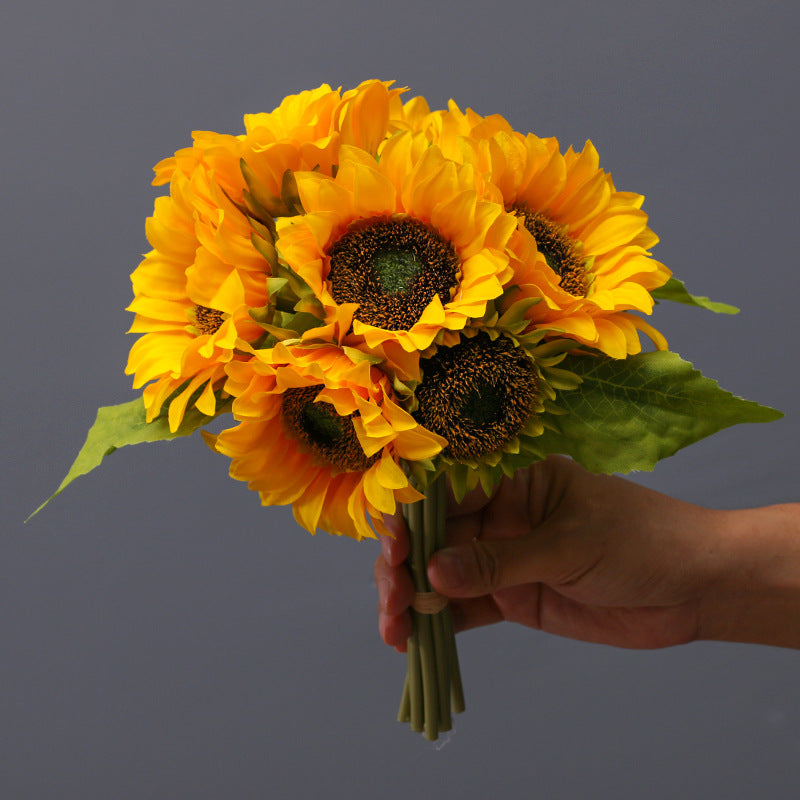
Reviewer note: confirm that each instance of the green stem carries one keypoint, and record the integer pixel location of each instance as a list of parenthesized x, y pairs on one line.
[(435, 519), (418, 526), (416, 532), (417, 711), (433, 681), (456, 686), (404, 714), (442, 671), (430, 686)]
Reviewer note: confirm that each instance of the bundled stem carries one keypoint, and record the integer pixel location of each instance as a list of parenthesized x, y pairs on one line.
[(433, 689)]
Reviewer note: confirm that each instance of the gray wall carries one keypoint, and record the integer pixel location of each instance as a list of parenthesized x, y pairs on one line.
[(163, 635)]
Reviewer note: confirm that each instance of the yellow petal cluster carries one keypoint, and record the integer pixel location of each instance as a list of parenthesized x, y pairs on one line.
[(606, 227), (411, 179), (192, 292), (203, 252), (283, 469), (309, 267)]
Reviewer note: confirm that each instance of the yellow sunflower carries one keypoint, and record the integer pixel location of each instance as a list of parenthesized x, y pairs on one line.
[(582, 247), (212, 245), (403, 247), (488, 393), (319, 428), (191, 303), (304, 132)]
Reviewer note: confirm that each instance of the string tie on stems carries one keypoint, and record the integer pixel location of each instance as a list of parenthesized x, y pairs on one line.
[(429, 602)]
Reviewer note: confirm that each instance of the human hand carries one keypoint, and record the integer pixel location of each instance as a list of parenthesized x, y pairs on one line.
[(556, 548)]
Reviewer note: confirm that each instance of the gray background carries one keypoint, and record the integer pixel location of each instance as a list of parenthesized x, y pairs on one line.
[(162, 635)]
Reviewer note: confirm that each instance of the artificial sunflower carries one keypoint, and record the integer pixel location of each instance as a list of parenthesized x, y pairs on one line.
[(319, 428), (304, 132), (488, 394), (191, 303), (583, 247), (400, 249)]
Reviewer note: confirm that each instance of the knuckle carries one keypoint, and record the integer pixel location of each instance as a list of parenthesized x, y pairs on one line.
[(382, 569), (487, 565)]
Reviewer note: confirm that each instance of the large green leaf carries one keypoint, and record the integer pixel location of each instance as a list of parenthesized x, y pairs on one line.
[(119, 426), (676, 291), (628, 414)]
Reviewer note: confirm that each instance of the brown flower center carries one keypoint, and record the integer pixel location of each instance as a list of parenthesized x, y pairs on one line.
[(330, 437), (207, 320), (392, 267), (559, 251), (477, 394)]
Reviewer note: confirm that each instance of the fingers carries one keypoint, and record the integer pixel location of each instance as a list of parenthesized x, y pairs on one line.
[(395, 549), (474, 612), (395, 595), (503, 515), (395, 587), (473, 501), (481, 567), (469, 568), (395, 631)]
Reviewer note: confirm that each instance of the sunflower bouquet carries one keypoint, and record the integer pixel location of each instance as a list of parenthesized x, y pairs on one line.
[(389, 300)]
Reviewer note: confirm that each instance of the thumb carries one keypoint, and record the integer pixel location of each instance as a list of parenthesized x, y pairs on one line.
[(484, 566)]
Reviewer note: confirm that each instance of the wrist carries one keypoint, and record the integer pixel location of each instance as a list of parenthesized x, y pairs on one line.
[(754, 595)]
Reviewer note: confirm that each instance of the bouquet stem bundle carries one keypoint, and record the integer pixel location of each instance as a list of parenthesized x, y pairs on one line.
[(433, 689)]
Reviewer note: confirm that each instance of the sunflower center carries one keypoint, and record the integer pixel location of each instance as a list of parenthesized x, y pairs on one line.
[(319, 425), (395, 269), (392, 267), (483, 405), (330, 437), (207, 320), (559, 251), (477, 394)]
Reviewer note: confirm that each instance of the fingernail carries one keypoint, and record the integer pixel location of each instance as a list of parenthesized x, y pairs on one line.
[(450, 569)]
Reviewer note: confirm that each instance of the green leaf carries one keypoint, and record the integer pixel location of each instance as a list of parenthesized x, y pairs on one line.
[(357, 356), (628, 414), (266, 249), (515, 313), (676, 291), (119, 426), (274, 285), (262, 199), (290, 195)]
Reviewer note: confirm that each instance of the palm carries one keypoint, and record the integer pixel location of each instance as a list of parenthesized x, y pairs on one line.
[(598, 595)]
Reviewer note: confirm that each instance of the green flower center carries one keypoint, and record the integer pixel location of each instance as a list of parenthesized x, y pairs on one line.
[(319, 425), (477, 394), (395, 269), (560, 252), (392, 267), (328, 435)]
